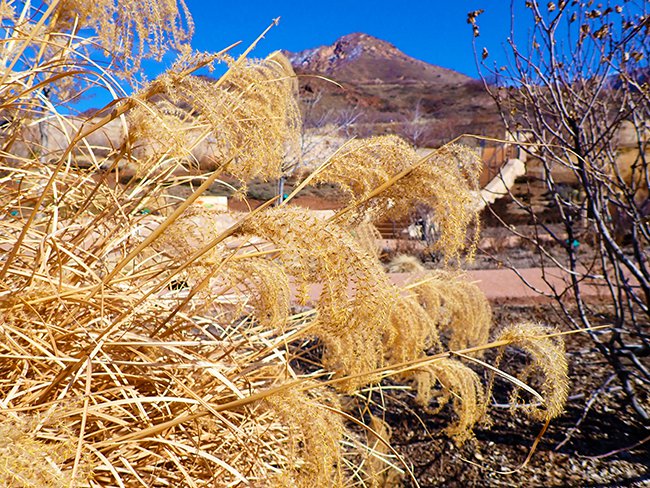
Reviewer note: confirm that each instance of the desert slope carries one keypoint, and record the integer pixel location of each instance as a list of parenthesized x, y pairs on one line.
[(379, 89)]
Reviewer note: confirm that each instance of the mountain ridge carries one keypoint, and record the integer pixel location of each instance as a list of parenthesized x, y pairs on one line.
[(389, 63), (379, 89)]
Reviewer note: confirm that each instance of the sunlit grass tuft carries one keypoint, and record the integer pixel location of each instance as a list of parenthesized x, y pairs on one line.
[(147, 341)]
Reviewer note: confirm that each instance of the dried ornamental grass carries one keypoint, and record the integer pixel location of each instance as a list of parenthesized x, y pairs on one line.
[(458, 307), (379, 472), (134, 385), (154, 130), (356, 298), (368, 237), (404, 263), (548, 367), (266, 287), (462, 386), (146, 345), (130, 32), (306, 257), (31, 457), (81, 329), (314, 435), (250, 115), (433, 303), (412, 333)]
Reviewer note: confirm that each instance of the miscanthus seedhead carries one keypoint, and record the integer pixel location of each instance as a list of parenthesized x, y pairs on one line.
[(128, 31), (260, 287), (547, 369), (314, 453), (188, 233), (250, 117), (368, 236), (356, 298), (460, 309), (160, 130), (412, 331), (33, 451), (444, 181), (459, 384)]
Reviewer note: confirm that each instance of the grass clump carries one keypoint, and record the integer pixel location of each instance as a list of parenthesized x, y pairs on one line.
[(356, 298), (166, 344), (443, 180), (249, 117)]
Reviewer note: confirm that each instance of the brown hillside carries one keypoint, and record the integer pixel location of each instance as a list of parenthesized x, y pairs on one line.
[(363, 59), (379, 89)]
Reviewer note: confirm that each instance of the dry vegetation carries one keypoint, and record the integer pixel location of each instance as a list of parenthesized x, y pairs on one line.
[(142, 343)]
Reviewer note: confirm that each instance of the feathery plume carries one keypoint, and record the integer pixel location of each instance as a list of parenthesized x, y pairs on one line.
[(548, 367), (460, 384), (443, 182)]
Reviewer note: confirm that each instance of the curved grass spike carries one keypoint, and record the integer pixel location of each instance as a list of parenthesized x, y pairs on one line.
[(548, 360), (411, 333), (315, 430), (263, 283), (460, 385), (267, 287), (393, 179), (367, 235), (459, 308), (383, 177)]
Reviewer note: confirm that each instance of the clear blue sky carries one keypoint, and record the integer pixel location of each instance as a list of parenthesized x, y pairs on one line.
[(433, 31)]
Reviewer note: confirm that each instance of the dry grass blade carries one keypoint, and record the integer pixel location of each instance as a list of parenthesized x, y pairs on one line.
[(379, 438), (503, 374), (164, 225)]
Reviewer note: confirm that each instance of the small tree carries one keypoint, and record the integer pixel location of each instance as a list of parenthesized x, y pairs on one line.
[(415, 128), (578, 93)]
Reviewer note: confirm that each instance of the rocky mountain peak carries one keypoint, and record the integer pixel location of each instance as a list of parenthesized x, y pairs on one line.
[(327, 59), (379, 89), (362, 58)]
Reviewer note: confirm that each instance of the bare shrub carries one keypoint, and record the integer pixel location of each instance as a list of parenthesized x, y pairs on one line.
[(576, 98)]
